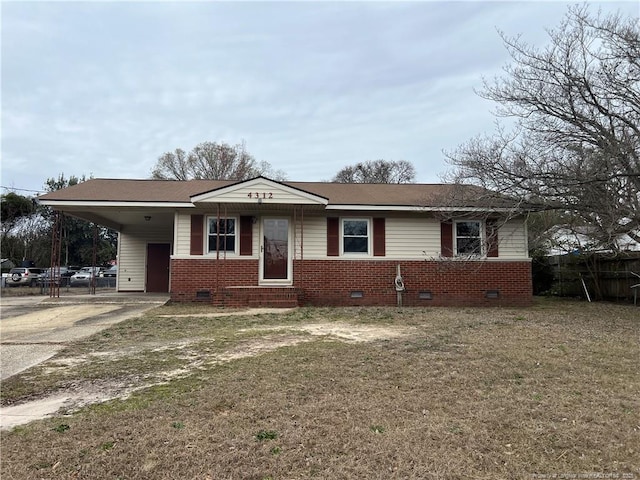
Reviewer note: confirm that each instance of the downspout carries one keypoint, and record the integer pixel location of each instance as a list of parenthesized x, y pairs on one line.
[(224, 252), (226, 220), (217, 245), (92, 278), (301, 263), (55, 277), (302, 251)]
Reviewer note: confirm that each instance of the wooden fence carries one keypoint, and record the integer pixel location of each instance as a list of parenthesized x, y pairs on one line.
[(602, 277)]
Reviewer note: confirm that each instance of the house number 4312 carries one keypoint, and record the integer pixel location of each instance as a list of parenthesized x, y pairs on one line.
[(264, 195)]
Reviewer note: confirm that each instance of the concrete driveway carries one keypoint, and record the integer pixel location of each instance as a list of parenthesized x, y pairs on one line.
[(33, 329)]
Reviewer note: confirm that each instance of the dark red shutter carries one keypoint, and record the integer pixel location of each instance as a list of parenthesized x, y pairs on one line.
[(492, 238), (197, 234), (333, 236), (446, 239), (378, 237), (246, 235)]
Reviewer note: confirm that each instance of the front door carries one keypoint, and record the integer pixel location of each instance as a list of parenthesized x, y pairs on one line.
[(158, 255), (275, 250)]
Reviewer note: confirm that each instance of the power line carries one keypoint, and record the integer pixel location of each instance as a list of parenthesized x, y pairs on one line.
[(21, 189)]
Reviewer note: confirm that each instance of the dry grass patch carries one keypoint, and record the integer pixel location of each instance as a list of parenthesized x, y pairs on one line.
[(469, 393)]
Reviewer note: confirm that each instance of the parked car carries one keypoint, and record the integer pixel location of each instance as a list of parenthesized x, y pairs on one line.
[(58, 277), (23, 276), (110, 272), (84, 276)]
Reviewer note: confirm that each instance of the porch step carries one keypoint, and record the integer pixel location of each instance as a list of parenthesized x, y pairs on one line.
[(273, 297)]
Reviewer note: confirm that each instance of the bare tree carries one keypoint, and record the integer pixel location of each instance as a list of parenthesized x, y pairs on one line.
[(575, 146), (377, 171), (221, 161), (172, 165), (215, 161)]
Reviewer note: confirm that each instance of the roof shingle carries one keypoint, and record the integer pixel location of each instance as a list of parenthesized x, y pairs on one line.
[(174, 191)]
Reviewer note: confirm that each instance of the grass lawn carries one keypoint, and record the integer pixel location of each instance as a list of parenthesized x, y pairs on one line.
[(551, 391)]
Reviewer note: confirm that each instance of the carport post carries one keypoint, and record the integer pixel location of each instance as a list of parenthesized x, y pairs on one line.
[(92, 284)]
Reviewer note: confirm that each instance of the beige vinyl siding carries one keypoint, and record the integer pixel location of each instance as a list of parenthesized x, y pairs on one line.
[(412, 238), (132, 255), (415, 237), (182, 241), (315, 238), (512, 240), (407, 238), (263, 193), (183, 234), (315, 234)]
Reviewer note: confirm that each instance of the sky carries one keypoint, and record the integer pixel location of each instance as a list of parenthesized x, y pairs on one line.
[(103, 89)]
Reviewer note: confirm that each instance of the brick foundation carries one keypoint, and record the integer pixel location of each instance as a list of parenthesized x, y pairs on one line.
[(447, 283), (334, 282)]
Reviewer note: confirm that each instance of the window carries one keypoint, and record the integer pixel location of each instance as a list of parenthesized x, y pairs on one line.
[(222, 234), (355, 235), (468, 239)]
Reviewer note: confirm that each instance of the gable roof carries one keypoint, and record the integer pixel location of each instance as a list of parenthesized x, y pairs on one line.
[(338, 195), (248, 191)]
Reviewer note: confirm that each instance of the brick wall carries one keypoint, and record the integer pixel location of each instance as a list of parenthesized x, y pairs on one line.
[(331, 282), (448, 283), (190, 279)]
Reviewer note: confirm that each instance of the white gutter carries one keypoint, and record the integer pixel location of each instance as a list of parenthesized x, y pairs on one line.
[(393, 208), (79, 203), (409, 208)]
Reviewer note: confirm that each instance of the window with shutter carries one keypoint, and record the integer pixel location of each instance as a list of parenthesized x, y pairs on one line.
[(333, 236), (446, 239), (246, 235), (221, 235), (378, 237), (197, 235), (355, 236), (492, 238), (468, 238)]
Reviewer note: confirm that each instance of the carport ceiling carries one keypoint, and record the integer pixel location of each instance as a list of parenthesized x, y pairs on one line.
[(119, 218)]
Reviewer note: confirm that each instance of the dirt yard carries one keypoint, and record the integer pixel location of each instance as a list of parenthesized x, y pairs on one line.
[(339, 393), (85, 393)]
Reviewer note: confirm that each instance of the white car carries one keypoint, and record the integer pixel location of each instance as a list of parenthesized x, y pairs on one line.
[(23, 276), (110, 272), (84, 276)]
